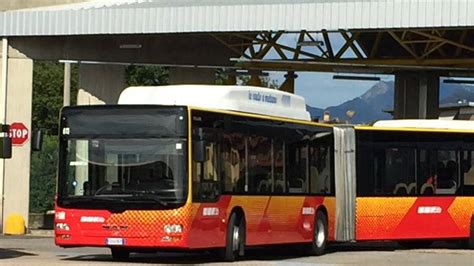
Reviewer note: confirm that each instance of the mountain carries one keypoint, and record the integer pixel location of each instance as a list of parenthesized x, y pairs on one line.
[(316, 113), (453, 93), (369, 106)]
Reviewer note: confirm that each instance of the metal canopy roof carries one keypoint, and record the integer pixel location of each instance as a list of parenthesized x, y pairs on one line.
[(186, 16)]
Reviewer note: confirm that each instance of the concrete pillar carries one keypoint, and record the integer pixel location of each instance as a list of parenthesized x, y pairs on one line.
[(100, 84), (15, 176), (181, 75), (416, 95), (67, 85)]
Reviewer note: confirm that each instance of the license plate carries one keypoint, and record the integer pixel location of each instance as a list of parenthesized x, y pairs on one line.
[(115, 241)]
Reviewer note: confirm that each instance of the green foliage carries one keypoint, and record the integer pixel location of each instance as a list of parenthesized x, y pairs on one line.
[(146, 75), (48, 80), (43, 175), (222, 78), (264, 80)]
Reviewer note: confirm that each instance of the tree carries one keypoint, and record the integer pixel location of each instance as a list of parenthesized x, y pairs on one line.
[(146, 75), (47, 102), (43, 176), (48, 80)]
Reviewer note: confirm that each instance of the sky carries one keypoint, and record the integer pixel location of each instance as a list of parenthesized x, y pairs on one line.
[(321, 90)]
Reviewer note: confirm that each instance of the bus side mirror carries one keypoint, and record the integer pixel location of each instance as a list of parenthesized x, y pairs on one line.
[(199, 151), (5, 142), (37, 140)]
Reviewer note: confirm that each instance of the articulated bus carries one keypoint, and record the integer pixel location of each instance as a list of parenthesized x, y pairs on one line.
[(230, 167)]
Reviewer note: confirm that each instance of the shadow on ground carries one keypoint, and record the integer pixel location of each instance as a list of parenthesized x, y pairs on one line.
[(268, 254), (11, 253)]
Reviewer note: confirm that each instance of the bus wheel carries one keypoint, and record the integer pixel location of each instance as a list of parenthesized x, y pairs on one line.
[(234, 238), (320, 235), (470, 242), (120, 254)]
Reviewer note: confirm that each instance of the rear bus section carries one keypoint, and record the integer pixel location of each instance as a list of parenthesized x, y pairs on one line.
[(414, 185)]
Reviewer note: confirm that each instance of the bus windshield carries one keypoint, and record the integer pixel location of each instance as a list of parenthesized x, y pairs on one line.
[(144, 166)]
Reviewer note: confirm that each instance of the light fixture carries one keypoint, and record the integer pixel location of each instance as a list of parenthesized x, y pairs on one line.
[(310, 43), (365, 78), (130, 46), (458, 81)]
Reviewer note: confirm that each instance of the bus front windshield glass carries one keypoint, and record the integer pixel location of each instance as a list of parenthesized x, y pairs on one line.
[(131, 168), (123, 157)]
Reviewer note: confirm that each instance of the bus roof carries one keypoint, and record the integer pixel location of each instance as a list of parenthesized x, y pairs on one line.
[(425, 124), (247, 99)]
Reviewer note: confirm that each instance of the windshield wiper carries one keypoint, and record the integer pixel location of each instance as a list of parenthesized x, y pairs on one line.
[(72, 200), (148, 195)]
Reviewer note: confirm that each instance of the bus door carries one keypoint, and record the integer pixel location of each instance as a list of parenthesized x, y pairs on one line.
[(345, 171), (206, 191)]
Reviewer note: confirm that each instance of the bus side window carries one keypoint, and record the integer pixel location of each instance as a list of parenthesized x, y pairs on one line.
[(233, 162), (259, 165), (320, 168), (298, 163), (205, 177), (396, 171), (468, 171), (279, 185)]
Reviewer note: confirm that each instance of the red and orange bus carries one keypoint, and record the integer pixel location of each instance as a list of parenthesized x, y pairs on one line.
[(209, 167)]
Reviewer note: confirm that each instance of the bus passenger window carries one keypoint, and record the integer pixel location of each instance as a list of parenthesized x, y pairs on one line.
[(438, 172), (232, 162), (396, 170), (260, 165), (468, 171), (298, 164), (278, 167), (320, 169), (205, 178), (448, 178)]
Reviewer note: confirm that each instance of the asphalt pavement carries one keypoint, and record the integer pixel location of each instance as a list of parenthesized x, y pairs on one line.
[(40, 250)]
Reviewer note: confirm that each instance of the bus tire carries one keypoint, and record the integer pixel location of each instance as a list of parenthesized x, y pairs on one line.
[(320, 235), (470, 242), (235, 238), (120, 254)]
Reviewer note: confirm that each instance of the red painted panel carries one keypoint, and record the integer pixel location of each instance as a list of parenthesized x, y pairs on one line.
[(269, 219), (413, 218)]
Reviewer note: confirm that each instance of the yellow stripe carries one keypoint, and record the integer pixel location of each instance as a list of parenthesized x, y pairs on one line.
[(273, 118), (190, 160), (434, 130)]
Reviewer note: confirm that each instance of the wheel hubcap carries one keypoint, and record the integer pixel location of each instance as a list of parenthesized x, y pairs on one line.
[(320, 234), (235, 238)]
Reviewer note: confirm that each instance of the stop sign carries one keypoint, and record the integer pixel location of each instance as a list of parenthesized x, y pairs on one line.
[(18, 133)]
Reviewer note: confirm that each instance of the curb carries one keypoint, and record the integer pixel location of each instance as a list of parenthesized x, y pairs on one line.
[(41, 232)]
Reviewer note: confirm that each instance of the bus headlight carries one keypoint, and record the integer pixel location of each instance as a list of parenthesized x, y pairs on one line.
[(173, 228), (62, 226)]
